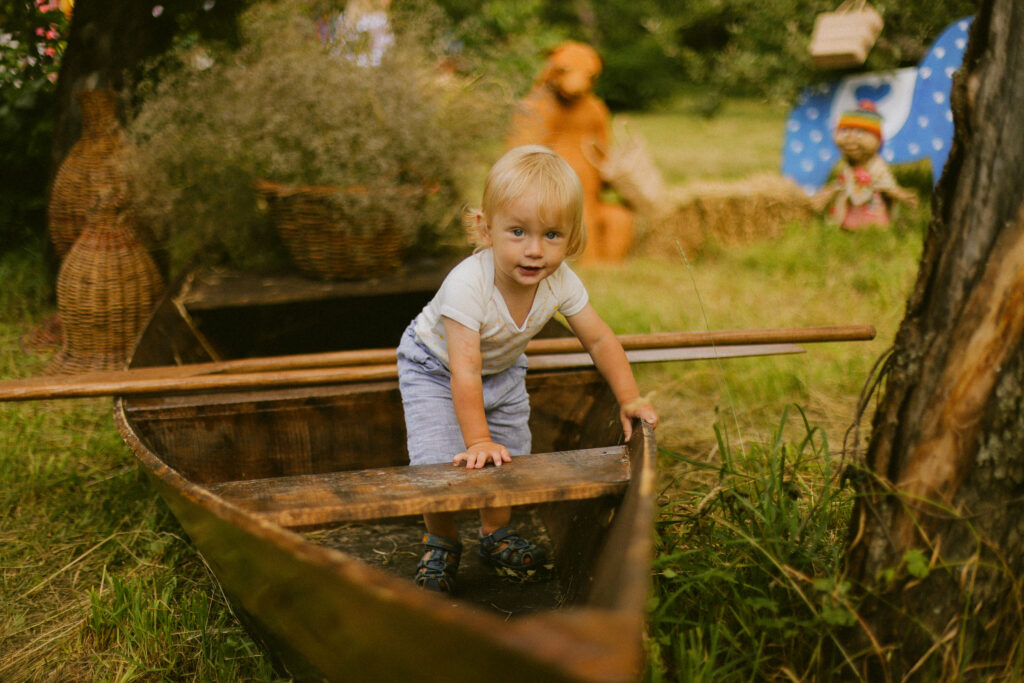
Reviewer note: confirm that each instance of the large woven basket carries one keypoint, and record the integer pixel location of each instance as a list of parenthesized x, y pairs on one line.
[(326, 240), (89, 167), (106, 290)]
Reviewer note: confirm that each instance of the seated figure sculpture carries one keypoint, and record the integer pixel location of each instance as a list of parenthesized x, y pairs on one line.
[(561, 112), (864, 189)]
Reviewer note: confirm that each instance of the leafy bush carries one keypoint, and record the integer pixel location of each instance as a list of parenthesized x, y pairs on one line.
[(724, 47), (503, 39), (31, 45), (293, 108)]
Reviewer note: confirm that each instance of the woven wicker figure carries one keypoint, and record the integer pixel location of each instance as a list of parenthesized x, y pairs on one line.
[(561, 112), (106, 290), (88, 167)]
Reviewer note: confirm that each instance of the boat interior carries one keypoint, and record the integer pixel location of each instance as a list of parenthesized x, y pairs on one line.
[(329, 462)]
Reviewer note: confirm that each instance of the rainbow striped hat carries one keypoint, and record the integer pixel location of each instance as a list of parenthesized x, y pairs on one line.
[(865, 117)]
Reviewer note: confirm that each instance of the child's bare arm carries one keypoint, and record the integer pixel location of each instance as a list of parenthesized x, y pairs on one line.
[(610, 359), (468, 398)]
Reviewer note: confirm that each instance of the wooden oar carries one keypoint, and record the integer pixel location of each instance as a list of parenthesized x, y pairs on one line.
[(657, 340), (130, 383), (372, 364), (137, 383), (554, 361), (661, 340)]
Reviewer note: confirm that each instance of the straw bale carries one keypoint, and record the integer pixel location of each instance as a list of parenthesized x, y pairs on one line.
[(727, 213)]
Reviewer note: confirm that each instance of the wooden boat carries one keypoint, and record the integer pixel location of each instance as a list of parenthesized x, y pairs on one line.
[(301, 501)]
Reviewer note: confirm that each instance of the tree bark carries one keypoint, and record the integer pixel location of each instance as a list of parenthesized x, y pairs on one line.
[(945, 458), (108, 41)]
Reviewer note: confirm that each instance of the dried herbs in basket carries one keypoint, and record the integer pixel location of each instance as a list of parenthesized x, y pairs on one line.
[(226, 140)]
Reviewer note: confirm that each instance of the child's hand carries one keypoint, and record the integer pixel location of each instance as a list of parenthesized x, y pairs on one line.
[(477, 455), (638, 407)]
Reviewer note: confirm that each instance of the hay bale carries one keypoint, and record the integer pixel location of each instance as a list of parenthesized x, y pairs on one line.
[(727, 213)]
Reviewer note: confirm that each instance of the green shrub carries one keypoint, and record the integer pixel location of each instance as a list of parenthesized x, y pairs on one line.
[(291, 108), (724, 47), (32, 41)]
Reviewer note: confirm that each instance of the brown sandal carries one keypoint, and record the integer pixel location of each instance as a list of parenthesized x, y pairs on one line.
[(439, 564)]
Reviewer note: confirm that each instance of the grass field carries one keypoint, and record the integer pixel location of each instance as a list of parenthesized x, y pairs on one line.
[(98, 582)]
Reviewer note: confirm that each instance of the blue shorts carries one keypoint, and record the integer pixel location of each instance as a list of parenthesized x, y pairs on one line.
[(433, 431)]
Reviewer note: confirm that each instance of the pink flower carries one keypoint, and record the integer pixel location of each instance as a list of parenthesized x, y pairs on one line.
[(862, 177), (40, 31), (52, 35), (50, 52)]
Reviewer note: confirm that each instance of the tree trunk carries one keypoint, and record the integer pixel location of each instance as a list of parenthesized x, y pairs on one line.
[(936, 536), (109, 39)]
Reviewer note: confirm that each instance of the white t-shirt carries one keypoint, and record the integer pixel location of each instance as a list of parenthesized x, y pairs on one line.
[(468, 296)]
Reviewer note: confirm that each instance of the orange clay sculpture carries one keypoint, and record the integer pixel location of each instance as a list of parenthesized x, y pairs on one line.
[(562, 112)]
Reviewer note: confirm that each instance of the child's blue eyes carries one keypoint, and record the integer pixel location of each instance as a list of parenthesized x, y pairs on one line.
[(551, 234)]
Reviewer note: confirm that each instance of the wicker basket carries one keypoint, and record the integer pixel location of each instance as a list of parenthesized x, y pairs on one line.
[(842, 39), (88, 167), (106, 290), (325, 239)]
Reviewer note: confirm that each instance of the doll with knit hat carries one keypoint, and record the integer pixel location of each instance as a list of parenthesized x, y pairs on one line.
[(864, 189)]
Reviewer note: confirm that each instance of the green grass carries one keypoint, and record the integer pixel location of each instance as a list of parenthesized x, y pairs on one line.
[(99, 583), (97, 580), (812, 275), (744, 138), (746, 579)]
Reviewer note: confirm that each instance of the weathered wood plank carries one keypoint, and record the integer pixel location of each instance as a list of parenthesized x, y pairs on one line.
[(219, 289), (310, 500)]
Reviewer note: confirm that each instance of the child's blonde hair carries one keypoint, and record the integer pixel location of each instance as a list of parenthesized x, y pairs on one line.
[(537, 169)]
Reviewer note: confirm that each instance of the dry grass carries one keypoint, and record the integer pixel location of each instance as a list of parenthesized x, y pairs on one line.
[(725, 213)]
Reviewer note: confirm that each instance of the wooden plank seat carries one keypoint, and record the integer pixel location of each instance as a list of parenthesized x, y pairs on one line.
[(314, 499)]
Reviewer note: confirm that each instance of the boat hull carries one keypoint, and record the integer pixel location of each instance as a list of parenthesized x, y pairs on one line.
[(324, 614)]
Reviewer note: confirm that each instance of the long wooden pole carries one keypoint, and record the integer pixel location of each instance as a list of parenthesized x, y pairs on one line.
[(661, 340), (657, 340), (376, 364)]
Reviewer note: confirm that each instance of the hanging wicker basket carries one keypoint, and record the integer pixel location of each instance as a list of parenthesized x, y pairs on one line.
[(843, 38), (329, 241)]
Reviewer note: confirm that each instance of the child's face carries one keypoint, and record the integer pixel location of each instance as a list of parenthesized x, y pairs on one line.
[(857, 145), (526, 249)]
